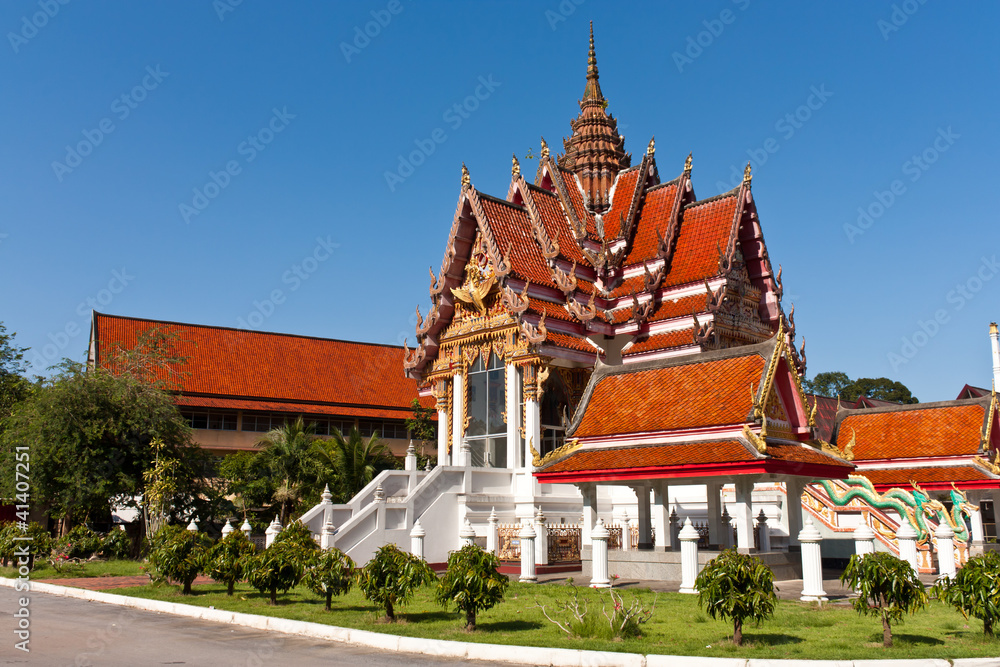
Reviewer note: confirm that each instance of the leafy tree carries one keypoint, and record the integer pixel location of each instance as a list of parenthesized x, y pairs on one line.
[(882, 389), (39, 544), (975, 590), (178, 555), (229, 559), (116, 545), (886, 586), (247, 478), (391, 577), (278, 568), (831, 383), (14, 387), (353, 460), (80, 542), (420, 425), (330, 574), (473, 582), (739, 587), (299, 534), (289, 454)]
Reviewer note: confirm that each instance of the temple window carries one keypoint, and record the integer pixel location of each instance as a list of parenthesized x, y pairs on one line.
[(486, 434), (554, 402), (210, 420)]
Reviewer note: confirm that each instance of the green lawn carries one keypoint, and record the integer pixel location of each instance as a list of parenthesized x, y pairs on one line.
[(110, 568), (797, 630)]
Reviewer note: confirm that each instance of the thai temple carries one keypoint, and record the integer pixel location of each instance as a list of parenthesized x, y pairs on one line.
[(607, 352)]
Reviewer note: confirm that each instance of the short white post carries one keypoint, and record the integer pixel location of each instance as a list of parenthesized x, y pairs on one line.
[(763, 532), (410, 462), (946, 550), (228, 528), (864, 540), (246, 528), (417, 539), (599, 556), (193, 526), (907, 539), (727, 529), (626, 524), (326, 534), (326, 498), (527, 536), (689, 556), (272, 532), (812, 564), (492, 532), (379, 493), (541, 539), (467, 535)]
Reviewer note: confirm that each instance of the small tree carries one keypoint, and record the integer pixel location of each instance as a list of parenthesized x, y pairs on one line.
[(179, 555), (229, 558), (299, 534), (391, 577), (278, 568), (975, 590), (472, 583), (737, 586), (39, 543), (886, 586), (331, 574)]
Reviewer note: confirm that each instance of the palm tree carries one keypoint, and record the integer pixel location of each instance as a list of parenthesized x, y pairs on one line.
[(288, 452), (353, 460)]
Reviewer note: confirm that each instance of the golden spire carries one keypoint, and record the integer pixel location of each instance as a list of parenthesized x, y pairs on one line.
[(747, 176), (515, 166), (651, 148), (545, 150), (466, 181), (687, 164)]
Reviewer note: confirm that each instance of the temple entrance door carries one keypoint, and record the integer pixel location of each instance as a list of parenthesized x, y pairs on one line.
[(486, 435)]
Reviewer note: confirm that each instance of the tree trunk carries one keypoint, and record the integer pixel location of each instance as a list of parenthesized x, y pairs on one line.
[(329, 597), (274, 596), (187, 587), (470, 620), (229, 589), (738, 631), (886, 632), (390, 616)]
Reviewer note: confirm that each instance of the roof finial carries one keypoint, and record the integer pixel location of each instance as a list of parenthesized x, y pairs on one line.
[(466, 181), (651, 148), (747, 176), (593, 89), (592, 55), (545, 150), (515, 166), (687, 164)]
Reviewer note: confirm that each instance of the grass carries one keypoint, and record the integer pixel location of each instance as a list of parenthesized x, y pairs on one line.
[(97, 568), (679, 626)]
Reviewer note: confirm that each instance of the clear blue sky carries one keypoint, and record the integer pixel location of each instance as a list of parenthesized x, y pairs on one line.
[(197, 87)]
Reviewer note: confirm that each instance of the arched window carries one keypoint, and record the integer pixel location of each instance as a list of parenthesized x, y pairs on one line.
[(486, 434)]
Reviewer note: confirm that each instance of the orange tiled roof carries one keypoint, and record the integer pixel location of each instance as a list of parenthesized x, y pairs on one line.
[(662, 341), (704, 229), (901, 477), (654, 219), (512, 229), (948, 430), (624, 189), (270, 369), (725, 451)]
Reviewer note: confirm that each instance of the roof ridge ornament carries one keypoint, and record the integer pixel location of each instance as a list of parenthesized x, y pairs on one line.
[(651, 148), (687, 164), (544, 153), (515, 166), (747, 175), (466, 180)]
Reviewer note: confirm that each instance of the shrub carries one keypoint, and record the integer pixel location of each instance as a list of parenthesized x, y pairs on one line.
[(278, 568), (229, 559), (472, 583), (80, 542), (975, 590), (886, 587), (299, 534), (574, 617), (330, 574), (391, 577), (179, 555), (116, 545), (39, 544), (738, 587)]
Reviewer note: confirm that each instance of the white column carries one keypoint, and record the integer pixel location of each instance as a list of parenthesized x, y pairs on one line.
[(457, 419), (946, 550), (812, 564), (272, 532), (791, 514), (326, 535), (645, 539), (246, 528), (228, 528), (674, 525), (467, 535), (995, 344), (763, 532), (978, 536), (410, 462), (532, 430), (907, 540), (193, 526), (417, 539), (661, 514), (599, 557), (627, 532), (689, 556), (514, 453), (742, 515), (527, 536), (712, 496), (541, 539), (589, 493), (492, 532), (442, 423), (864, 540), (727, 529)]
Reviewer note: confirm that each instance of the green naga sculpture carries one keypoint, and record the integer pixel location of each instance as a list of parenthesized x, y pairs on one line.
[(915, 505)]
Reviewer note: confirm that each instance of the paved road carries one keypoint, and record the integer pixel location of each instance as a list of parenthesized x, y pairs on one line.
[(65, 631)]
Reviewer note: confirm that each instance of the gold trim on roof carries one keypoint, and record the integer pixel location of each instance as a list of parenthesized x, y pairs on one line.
[(754, 439)]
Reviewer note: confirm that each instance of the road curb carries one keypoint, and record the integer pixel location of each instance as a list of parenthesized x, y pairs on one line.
[(534, 655)]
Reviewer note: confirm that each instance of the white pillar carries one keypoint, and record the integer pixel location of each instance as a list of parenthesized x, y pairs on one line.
[(492, 532), (645, 527), (467, 535), (946, 550), (864, 540), (272, 532), (791, 515), (599, 556), (689, 556), (674, 525), (763, 532), (712, 496), (907, 540), (812, 564), (417, 539), (727, 529), (513, 386), (977, 536), (246, 528), (457, 419), (995, 343), (742, 516), (228, 528), (326, 535), (532, 430), (527, 536), (410, 462), (661, 514), (589, 493), (193, 526), (443, 438), (541, 539)]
